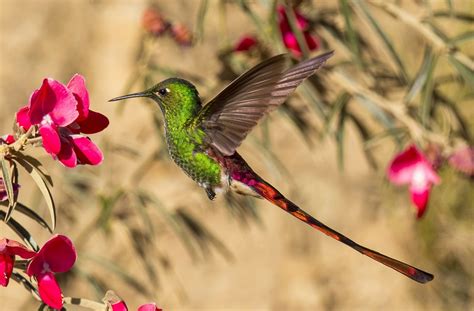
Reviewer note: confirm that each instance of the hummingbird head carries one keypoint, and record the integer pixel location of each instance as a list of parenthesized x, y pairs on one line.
[(172, 95)]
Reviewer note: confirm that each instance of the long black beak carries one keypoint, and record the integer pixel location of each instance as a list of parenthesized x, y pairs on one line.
[(133, 95)]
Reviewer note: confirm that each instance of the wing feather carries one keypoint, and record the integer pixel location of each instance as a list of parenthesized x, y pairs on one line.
[(231, 115)]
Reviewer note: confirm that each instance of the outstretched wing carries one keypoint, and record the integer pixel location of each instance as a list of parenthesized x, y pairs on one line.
[(229, 117)]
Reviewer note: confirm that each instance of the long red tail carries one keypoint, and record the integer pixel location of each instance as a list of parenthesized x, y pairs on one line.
[(247, 176)]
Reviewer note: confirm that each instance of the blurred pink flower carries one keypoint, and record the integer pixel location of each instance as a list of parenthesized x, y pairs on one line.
[(8, 250), (411, 167), (154, 22), (245, 43), (7, 139), (289, 38), (463, 160), (3, 191), (181, 34), (57, 255), (116, 303), (62, 113), (149, 307)]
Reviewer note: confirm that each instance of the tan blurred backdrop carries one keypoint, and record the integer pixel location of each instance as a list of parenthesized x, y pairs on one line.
[(279, 264)]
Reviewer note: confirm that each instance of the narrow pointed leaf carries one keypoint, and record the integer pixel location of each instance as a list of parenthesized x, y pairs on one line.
[(337, 106), (21, 232), (421, 76), (383, 36), (7, 181), (25, 210), (203, 8), (463, 38), (427, 94), (119, 272), (42, 183), (340, 137), (351, 34), (466, 73)]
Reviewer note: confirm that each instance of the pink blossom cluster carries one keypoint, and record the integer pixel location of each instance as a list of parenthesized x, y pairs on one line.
[(57, 255), (62, 115), (248, 42)]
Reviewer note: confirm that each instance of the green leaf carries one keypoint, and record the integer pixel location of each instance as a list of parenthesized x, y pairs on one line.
[(365, 135), (350, 31), (290, 13), (383, 36), (427, 94), (42, 182), (466, 73), (380, 115), (120, 272), (25, 210), (200, 19), (337, 106), (21, 232), (7, 181), (340, 137), (421, 76), (462, 38)]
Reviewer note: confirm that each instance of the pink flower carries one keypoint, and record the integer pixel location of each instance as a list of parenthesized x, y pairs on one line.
[(57, 255), (8, 250), (463, 160), (245, 43), (115, 303), (62, 114), (411, 167), (149, 307), (289, 38), (3, 191), (7, 139)]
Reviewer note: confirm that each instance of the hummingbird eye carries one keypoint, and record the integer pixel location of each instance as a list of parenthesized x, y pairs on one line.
[(164, 91)]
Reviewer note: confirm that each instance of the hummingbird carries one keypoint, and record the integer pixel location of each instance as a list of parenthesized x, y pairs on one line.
[(202, 139)]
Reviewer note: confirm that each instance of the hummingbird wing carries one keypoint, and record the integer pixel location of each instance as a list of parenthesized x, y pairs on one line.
[(231, 115)]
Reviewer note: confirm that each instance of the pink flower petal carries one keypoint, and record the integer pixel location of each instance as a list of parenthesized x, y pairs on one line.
[(49, 290), (12, 247), (41, 103), (67, 156), (55, 100), (23, 118), (77, 85), (50, 137), (463, 160), (87, 152), (290, 41), (6, 268), (94, 123), (119, 306), (400, 170), (420, 197), (64, 111), (245, 43), (149, 307), (312, 41), (59, 253), (7, 139)]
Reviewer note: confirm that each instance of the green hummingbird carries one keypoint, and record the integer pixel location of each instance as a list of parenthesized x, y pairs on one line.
[(202, 139)]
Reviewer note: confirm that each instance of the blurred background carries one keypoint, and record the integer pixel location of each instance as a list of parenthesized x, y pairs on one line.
[(145, 230)]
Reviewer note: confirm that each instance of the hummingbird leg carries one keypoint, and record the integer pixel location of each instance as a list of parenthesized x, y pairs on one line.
[(210, 193)]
